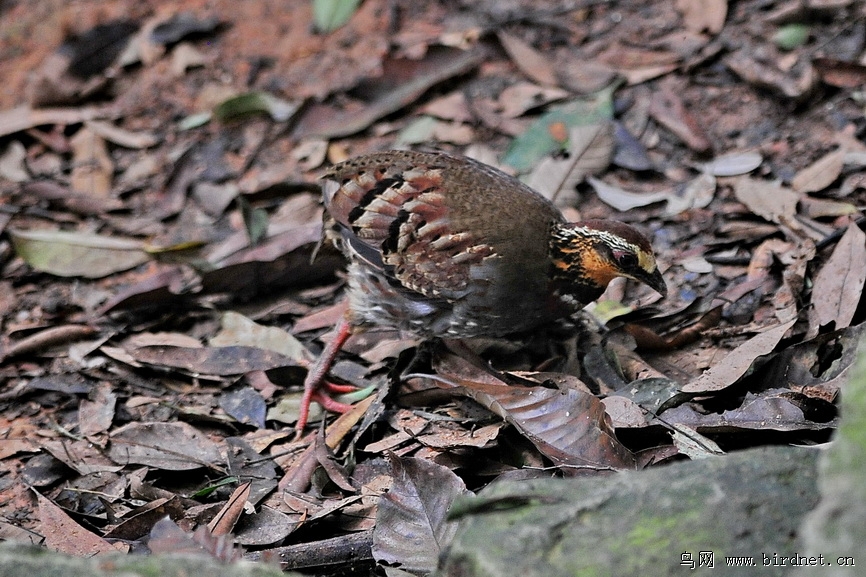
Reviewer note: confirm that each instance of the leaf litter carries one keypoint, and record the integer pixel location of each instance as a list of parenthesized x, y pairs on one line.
[(160, 305)]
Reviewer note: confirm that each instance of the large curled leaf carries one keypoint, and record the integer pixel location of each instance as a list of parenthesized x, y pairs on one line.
[(411, 527), (65, 253), (568, 426)]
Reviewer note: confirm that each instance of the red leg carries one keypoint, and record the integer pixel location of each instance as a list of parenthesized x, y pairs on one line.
[(335, 389), (316, 376)]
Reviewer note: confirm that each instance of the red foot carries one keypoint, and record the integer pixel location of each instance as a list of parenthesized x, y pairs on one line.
[(315, 386), (329, 404)]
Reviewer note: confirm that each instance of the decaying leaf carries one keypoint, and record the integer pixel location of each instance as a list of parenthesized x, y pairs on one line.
[(821, 173), (170, 446), (532, 63), (730, 369), (412, 528), (838, 286), (240, 330), (226, 519), (775, 410), (24, 117), (810, 373), (671, 112), (12, 162), (696, 193), (77, 254), (63, 534), (768, 200), (230, 360), (795, 84), (97, 413), (402, 82), (120, 136), (524, 96), (840, 73), (568, 426)]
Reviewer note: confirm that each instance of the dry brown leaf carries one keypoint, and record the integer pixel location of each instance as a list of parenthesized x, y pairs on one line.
[(733, 164), (240, 330), (769, 200), (839, 284), (96, 414), (169, 446), (63, 534), (412, 526), (452, 436), (701, 15), (518, 98), (774, 410), (23, 117), (120, 136), (75, 202), (83, 457), (840, 73), (729, 370), (824, 207), (624, 412), (771, 78), (671, 112), (12, 166), (225, 520), (631, 57), (696, 193), (531, 62), (450, 107), (568, 426), (402, 83), (821, 173), (141, 520), (231, 360)]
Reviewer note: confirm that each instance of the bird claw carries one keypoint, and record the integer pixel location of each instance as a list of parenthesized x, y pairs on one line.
[(329, 403), (316, 388)]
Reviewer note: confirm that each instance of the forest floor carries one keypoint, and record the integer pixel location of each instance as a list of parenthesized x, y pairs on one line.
[(159, 207)]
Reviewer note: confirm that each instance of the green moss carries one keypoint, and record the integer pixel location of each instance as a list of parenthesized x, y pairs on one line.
[(852, 431)]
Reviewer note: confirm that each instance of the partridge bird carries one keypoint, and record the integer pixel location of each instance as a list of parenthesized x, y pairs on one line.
[(441, 246)]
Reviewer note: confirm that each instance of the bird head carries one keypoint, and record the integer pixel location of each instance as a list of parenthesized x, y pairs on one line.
[(587, 255)]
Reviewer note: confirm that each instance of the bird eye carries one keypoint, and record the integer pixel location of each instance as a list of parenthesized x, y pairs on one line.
[(626, 260)]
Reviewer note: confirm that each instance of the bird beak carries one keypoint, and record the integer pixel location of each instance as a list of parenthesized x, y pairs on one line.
[(655, 281)]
